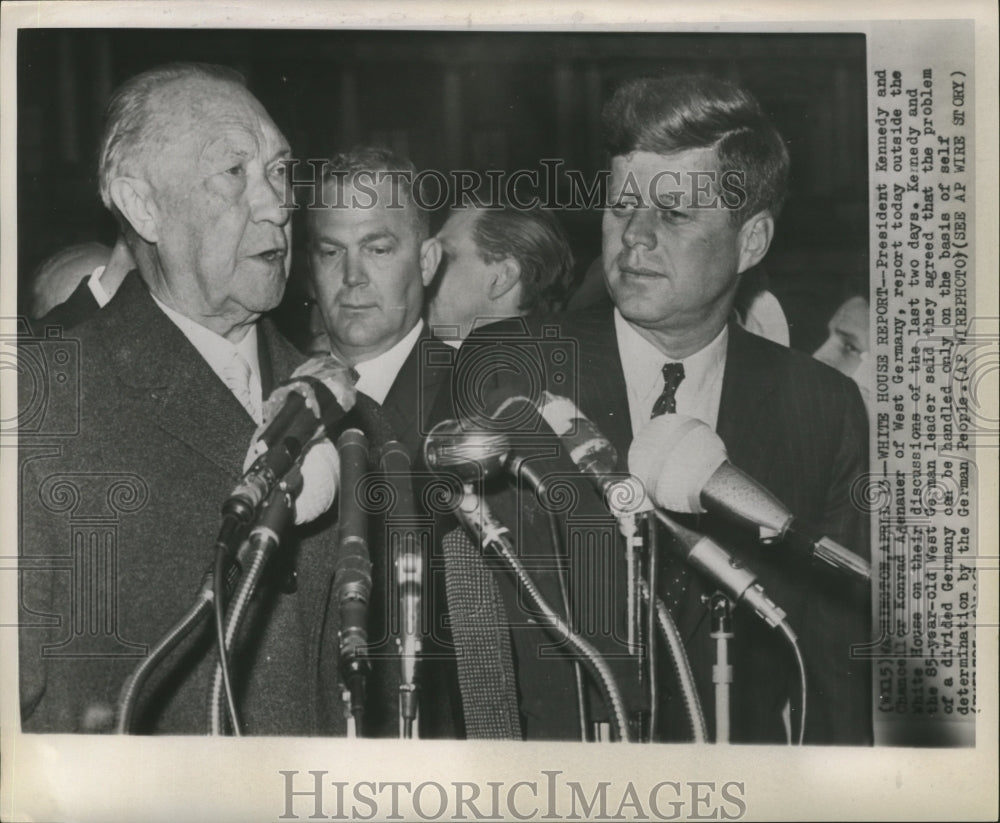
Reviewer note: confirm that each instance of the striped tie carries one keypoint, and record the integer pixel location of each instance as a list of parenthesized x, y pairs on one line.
[(236, 375), (666, 403)]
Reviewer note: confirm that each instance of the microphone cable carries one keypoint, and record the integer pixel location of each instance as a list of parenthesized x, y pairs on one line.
[(653, 566), (132, 687), (682, 665), (275, 516), (492, 534), (741, 587), (220, 641), (793, 639), (557, 548)]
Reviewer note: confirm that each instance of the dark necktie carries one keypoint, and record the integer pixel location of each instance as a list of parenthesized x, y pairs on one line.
[(666, 403)]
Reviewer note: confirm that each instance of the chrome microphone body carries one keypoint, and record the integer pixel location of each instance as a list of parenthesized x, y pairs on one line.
[(395, 465), (353, 571)]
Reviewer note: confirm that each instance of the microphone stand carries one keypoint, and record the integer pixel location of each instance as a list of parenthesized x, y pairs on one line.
[(740, 586), (627, 501), (637, 639), (720, 609)]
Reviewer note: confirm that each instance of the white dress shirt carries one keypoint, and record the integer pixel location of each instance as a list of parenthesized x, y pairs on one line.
[(217, 351), (96, 289), (698, 394), (377, 375)]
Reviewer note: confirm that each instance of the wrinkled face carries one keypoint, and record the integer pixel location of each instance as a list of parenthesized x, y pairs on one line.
[(668, 265), (223, 235), (463, 283), (369, 270), (848, 339)]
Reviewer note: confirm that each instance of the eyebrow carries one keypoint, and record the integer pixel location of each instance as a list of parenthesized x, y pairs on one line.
[(319, 238), (221, 149), (379, 235), (283, 153), (850, 336)]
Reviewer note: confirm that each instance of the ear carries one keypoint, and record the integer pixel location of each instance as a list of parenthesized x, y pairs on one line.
[(430, 259), (506, 274), (755, 239), (134, 199)]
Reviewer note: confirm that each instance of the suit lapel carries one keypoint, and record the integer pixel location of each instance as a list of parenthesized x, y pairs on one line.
[(411, 397), (278, 357), (179, 393), (750, 377), (603, 396)]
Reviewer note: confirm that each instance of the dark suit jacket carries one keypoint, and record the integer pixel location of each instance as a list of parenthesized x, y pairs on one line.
[(796, 426), (80, 305), (117, 528)]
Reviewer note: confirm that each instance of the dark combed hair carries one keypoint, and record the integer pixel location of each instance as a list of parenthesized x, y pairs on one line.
[(673, 113), (370, 161), (535, 238), (131, 127)]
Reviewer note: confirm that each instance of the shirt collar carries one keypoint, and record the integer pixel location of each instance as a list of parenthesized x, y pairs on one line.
[(640, 357), (214, 348), (377, 375), (698, 394)]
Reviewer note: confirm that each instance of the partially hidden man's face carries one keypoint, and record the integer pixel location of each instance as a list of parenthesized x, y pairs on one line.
[(369, 266), (668, 263), (848, 337), (219, 188), (463, 287)]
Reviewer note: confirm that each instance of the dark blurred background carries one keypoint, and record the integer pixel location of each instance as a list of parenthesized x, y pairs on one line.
[(476, 100)]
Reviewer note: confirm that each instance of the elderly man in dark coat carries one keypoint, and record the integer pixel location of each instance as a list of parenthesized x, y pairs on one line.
[(120, 509)]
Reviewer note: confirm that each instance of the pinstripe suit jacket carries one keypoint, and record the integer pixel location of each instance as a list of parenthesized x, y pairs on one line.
[(800, 429), (117, 524)]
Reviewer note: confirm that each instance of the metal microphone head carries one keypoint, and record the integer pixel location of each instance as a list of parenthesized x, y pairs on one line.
[(472, 455), (587, 446)]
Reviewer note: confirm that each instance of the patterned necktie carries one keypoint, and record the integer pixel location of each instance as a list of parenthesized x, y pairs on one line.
[(236, 375), (666, 403)]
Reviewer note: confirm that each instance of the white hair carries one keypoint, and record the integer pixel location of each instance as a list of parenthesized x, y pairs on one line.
[(130, 125)]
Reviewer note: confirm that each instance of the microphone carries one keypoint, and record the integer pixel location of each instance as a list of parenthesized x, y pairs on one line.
[(353, 571), (395, 464), (471, 454), (707, 556), (593, 454), (684, 467), (299, 411), (474, 455)]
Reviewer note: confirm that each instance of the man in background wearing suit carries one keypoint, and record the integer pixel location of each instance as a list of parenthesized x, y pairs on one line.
[(371, 257), (119, 519), (698, 176), (77, 282)]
